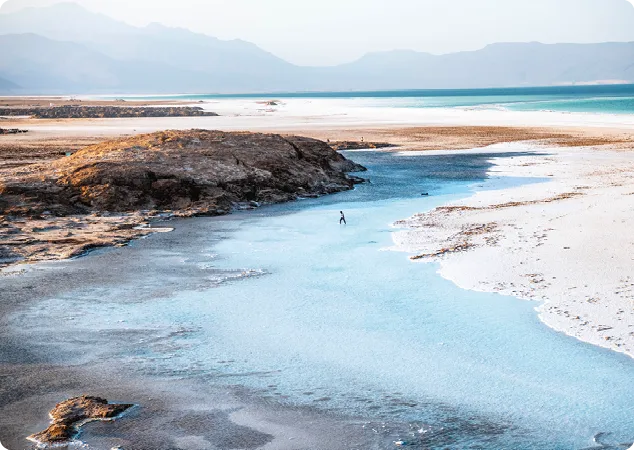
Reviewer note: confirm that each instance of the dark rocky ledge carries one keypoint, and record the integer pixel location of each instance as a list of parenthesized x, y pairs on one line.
[(12, 131), (196, 171), (101, 194), (105, 112), (358, 145)]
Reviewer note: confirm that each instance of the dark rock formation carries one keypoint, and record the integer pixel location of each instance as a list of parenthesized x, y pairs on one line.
[(101, 195), (67, 417), (358, 145), (104, 112), (12, 131), (194, 172)]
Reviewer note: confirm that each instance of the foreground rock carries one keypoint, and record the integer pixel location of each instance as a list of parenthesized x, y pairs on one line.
[(67, 417), (104, 112), (101, 195)]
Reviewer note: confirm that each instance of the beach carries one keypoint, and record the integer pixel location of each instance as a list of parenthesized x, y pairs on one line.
[(535, 205), (563, 241)]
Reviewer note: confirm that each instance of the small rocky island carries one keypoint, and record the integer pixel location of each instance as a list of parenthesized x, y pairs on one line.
[(101, 194), (12, 131), (105, 112), (358, 145), (68, 417)]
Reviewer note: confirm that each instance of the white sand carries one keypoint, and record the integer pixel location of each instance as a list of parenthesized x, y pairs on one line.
[(575, 255), (320, 114)]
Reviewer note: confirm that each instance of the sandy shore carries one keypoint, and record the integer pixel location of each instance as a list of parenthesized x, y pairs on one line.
[(336, 120), (564, 240)]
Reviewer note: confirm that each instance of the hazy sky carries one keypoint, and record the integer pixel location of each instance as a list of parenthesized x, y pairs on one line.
[(323, 32)]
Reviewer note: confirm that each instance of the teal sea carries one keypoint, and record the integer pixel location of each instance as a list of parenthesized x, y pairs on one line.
[(605, 99)]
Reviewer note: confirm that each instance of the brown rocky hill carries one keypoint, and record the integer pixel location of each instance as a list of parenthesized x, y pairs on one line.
[(195, 172)]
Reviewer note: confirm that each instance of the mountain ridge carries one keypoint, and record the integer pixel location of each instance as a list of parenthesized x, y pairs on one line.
[(78, 51)]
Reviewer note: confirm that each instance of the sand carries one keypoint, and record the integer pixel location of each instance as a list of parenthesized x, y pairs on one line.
[(338, 120), (565, 241)]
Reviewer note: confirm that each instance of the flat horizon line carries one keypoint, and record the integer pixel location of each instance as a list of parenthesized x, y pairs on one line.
[(413, 92)]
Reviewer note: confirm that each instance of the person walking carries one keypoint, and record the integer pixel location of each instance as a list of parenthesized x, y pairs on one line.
[(343, 219)]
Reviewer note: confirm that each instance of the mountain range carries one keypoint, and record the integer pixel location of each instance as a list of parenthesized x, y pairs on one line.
[(65, 48)]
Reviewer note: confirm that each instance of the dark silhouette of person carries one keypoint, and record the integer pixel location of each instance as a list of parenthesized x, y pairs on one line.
[(343, 219)]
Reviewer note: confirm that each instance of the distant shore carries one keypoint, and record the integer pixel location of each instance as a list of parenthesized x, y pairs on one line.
[(338, 120), (46, 101)]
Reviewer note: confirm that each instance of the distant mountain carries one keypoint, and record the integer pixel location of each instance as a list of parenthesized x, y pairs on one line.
[(65, 48), (62, 21), (45, 66), (497, 65), (6, 85), (221, 65)]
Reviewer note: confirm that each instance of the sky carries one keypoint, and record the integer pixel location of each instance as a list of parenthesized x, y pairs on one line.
[(329, 32)]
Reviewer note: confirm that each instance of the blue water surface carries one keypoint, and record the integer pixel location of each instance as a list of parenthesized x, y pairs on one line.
[(311, 312)]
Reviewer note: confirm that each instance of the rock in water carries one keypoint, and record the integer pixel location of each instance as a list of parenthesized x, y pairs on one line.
[(67, 417)]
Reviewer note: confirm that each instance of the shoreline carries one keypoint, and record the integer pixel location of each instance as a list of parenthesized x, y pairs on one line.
[(543, 241), (259, 419), (416, 130)]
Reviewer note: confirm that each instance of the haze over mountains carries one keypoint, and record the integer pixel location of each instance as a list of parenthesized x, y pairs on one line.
[(65, 48)]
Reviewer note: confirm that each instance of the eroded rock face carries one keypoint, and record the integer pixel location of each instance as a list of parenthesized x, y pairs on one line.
[(198, 171), (105, 194), (67, 417)]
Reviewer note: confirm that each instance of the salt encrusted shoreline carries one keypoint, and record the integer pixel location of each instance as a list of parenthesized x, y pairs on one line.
[(566, 241)]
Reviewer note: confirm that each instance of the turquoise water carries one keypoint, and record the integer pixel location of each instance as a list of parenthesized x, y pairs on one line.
[(300, 309), (607, 99)]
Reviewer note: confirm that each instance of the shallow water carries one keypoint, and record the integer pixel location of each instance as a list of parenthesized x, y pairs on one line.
[(287, 302)]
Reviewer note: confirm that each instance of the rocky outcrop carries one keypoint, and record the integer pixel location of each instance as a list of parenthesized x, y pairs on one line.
[(12, 131), (358, 145), (102, 194), (104, 112), (67, 417), (203, 172)]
